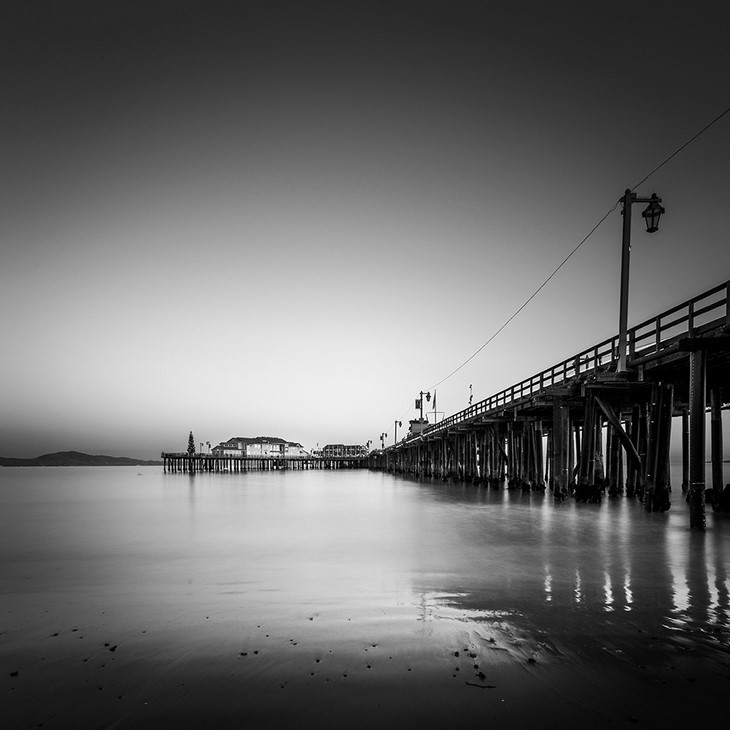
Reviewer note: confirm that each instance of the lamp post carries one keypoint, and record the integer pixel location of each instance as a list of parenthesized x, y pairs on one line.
[(419, 401), (383, 436), (651, 215), (395, 429)]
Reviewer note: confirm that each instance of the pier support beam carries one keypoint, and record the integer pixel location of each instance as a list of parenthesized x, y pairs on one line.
[(656, 496), (587, 490), (560, 450), (685, 450), (697, 403), (716, 444)]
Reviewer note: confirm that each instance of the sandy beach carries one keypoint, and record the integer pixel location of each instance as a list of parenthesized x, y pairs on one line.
[(417, 667)]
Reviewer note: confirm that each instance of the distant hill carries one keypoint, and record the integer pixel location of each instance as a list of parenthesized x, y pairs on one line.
[(76, 458)]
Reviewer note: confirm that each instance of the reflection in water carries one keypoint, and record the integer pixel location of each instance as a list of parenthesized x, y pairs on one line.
[(700, 587), (362, 546), (608, 593), (628, 595), (577, 590), (721, 582), (586, 564)]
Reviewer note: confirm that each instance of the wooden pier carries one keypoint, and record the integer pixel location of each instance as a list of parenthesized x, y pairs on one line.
[(193, 463), (583, 429)]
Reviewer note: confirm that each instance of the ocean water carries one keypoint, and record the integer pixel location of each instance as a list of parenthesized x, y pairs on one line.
[(135, 598)]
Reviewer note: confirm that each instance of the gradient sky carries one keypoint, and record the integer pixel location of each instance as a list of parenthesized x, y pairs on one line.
[(287, 219)]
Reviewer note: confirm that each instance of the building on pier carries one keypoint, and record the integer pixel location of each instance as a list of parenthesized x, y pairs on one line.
[(417, 425), (261, 446), (344, 450)]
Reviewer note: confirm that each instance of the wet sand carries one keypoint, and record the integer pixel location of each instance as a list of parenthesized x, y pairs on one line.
[(416, 666)]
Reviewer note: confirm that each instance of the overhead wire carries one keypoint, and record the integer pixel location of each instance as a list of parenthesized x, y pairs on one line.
[(565, 260), (531, 297), (679, 149)]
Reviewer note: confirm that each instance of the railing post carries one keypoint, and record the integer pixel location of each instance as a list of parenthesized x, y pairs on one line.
[(632, 342)]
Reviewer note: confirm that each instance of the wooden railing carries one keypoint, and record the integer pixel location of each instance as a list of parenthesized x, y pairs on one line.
[(707, 311)]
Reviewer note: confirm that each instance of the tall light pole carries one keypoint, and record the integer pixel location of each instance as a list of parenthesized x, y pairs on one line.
[(383, 436), (651, 215), (419, 401), (395, 429)]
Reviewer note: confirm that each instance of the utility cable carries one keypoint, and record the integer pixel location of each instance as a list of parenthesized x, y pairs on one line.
[(679, 149), (532, 296)]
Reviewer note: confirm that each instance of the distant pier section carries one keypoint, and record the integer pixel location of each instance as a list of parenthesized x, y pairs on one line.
[(183, 462), (265, 453)]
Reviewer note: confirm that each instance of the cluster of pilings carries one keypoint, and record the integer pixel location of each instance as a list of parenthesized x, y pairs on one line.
[(193, 463), (486, 454), (616, 431), (599, 435)]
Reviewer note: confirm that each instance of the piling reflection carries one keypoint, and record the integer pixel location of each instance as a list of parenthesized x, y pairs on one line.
[(577, 571), (701, 603)]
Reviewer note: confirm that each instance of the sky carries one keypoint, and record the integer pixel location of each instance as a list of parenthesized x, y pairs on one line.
[(288, 219)]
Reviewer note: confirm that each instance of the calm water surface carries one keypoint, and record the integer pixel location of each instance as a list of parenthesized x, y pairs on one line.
[(332, 570)]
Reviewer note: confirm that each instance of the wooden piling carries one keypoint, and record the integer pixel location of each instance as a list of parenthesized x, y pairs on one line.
[(560, 447), (716, 445), (697, 403), (656, 496)]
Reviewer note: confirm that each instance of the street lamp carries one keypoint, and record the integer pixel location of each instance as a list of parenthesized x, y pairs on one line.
[(651, 215), (383, 436), (395, 428), (419, 401)]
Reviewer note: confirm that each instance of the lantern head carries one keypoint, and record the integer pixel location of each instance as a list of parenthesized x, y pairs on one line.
[(653, 213)]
